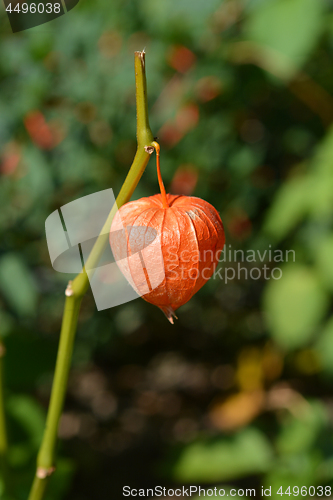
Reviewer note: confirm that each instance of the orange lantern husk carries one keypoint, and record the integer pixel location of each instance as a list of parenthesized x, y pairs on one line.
[(191, 238)]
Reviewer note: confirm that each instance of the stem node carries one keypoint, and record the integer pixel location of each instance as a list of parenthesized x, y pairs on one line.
[(69, 290), (149, 149), (43, 472)]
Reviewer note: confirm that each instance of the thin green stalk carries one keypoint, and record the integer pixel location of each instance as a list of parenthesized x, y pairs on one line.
[(79, 286), (3, 431)]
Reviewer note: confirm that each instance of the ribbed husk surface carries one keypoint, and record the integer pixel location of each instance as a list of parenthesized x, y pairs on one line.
[(183, 256)]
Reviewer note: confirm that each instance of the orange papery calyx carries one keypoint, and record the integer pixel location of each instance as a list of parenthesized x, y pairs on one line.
[(190, 236)]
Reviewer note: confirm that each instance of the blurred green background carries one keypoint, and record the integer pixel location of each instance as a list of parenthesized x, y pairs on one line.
[(239, 391)]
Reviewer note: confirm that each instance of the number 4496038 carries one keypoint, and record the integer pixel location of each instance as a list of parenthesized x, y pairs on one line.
[(305, 491), (33, 8)]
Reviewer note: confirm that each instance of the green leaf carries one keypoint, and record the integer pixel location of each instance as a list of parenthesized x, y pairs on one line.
[(298, 435), (324, 346), (324, 261), (17, 284), (290, 27), (29, 415), (182, 15), (294, 305), (289, 207), (293, 471), (307, 195), (323, 159), (248, 452), (321, 196)]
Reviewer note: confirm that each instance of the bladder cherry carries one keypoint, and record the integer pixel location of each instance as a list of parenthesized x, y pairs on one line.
[(191, 237)]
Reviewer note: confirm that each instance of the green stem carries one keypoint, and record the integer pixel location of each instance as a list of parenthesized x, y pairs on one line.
[(38, 488), (79, 286), (45, 458), (3, 431)]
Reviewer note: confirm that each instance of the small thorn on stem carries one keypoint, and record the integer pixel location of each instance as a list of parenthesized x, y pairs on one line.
[(43, 472), (69, 290)]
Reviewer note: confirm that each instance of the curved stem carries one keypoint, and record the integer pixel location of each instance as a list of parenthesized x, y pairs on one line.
[(38, 488), (45, 458), (79, 286), (3, 430), (159, 175)]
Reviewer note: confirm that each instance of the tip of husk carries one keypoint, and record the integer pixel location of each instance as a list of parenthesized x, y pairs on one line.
[(169, 313)]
